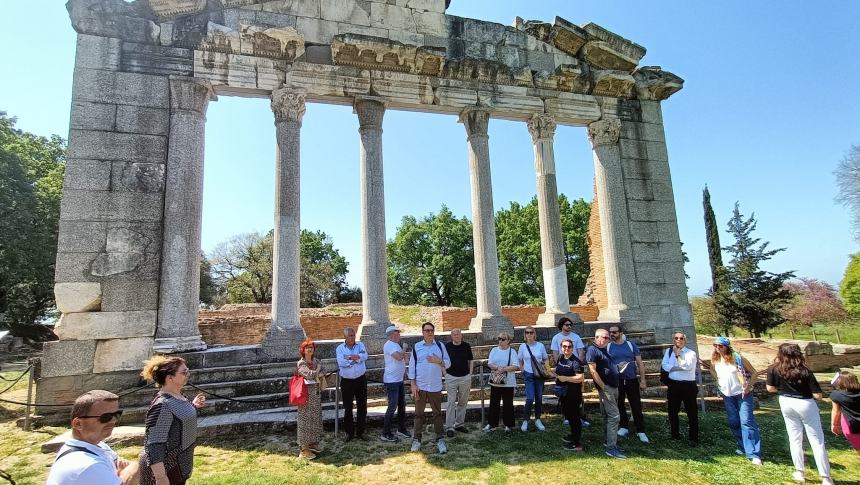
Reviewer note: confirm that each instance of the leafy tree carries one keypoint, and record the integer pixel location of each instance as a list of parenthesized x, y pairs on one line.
[(31, 184), (848, 183), (518, 239), (324, 270), (706, 318), (209, 288), (712, 234), (849, 289), (814, 302), (431, 261), (752, 298)]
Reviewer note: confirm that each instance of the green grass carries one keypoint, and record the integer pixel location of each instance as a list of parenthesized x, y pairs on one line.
[(848, 333), (496, 458)]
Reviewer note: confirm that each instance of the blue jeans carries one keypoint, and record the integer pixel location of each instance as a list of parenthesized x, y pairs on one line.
[(739, 412), (396, 399), (534, 395)]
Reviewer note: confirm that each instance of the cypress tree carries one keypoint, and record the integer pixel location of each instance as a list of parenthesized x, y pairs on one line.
[(715, 257)]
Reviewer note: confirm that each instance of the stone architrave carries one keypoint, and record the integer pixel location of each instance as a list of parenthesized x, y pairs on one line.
[(183, 211), (489, 319), (374, 300), (542, 130), (286, 332), (621, 292)]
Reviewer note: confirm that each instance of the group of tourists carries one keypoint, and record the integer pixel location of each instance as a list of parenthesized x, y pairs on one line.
[(614, 363)]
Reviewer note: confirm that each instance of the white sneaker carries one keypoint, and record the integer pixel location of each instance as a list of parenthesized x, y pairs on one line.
[(566, 422), (442, 447), (826, 481), (623, 432), (416, 445), (539, 425), (507, 429), (525, 426), (798, 476), (643, 437), (756, 461), (488, 428)]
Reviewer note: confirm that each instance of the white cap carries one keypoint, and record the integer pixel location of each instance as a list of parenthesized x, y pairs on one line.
[(390, 329)]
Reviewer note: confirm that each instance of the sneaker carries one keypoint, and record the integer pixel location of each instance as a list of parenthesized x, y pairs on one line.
[(416, 445), (740, 452), (388, 438), (585, 423), (487, 428), (797, 476), (623, 432), (461, 429), (525, 427), (756, 461), (615, 453), (567, 438), (826, 481), (539, 425), (572, 447), (449, 433), (442, 447), (643, 437), (403, 435), (566, 422), (507, 429), (307, 454)]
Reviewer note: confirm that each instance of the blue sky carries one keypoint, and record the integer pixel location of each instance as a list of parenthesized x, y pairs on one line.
[(768, 109)]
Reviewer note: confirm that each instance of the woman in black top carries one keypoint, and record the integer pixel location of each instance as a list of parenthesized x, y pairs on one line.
[(569, 372), (845, 418), (798, 392)]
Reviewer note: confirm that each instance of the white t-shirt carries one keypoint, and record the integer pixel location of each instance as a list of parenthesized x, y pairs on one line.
[(727, 378), (82, 468), (539, 352), (555, 345), (499, 358), (394, 369)]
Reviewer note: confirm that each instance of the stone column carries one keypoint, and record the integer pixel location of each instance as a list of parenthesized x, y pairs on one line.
[(542, 129), (374, 301), (489, 319), (621, 292), (179, 293), (286, 332)]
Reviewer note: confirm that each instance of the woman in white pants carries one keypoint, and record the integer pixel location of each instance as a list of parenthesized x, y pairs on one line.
[(798, 392)]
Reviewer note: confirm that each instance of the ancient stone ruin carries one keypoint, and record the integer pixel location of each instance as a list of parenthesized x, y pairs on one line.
[(146, 70)]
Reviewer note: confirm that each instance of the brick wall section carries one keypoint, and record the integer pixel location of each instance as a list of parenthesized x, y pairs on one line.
[(519, 315), (223, 327), (595, 285), (328, 328)]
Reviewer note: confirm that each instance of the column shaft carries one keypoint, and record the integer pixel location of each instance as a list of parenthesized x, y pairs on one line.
[(179, 294), (286, 331), (489, 318), (621, 293)]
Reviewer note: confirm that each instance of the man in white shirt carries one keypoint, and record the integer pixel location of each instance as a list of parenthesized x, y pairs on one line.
[(351, 356), (395, 355), (682, 363), (426, 368), (86, 459)]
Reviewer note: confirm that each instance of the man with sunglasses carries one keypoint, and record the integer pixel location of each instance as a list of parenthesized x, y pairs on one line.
[(681, 363), (605, 377), (628, 360), (86, 459)]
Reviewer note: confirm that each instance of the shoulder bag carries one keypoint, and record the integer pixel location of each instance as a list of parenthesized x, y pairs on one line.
[(537, 368), (664, 374), (498, 376), (298, 390)]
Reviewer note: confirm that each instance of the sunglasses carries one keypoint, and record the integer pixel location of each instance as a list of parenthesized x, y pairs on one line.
[(529, 332), (614, 331), (566, 346), (428, 330), (680, 338), (502, 339), (565, 324), (106, 417)]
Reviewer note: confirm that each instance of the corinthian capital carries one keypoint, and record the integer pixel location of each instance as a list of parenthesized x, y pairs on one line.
[(370, 111), (542, 127), (476, 120), (288, 104), (190, 94), (604, 132)]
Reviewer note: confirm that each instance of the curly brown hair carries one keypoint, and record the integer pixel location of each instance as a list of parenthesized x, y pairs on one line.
[(847, 381), (790, 363), (159, 367)]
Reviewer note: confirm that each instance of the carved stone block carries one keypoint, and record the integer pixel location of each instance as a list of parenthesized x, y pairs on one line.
[(120, 295), (122, 354), (88, 205), (653, 83), (435, 6), (568, 37), (94, 52), (106, 145), (349, 11), (430, 22), (106, 325), (119, 88), (276, 43), (602, 56), (301, 8), (397, 87), (316, 31), (68, 358), (336, 81), (391, 17), (93, 116), (78, 297), (617, 84), (146, 121), (87, 174), (384, 54), (156, 59), (173, 8), (618, 44), (573, 108), (81, 236)]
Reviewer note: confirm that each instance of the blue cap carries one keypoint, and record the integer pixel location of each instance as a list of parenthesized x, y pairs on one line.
[(724, 341)]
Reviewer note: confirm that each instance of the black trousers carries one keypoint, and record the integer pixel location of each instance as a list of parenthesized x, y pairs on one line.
[(354, 389), (570, 405), (506, 396), (629, 388), (683, 392)]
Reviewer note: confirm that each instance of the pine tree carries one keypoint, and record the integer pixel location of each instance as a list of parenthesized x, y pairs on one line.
[(715, 256), (752, 298)]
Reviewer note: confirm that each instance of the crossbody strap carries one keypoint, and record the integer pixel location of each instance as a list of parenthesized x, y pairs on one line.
[(73, 449)]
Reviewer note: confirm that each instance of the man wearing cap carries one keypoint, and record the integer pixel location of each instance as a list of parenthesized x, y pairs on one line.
[(396, 356), (628, 360), (458, 382), (86, 458), (351, 358), (426, 368)]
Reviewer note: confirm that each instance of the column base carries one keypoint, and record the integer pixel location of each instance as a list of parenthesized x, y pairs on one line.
[(620, 313), (550, 318), (175, 345), (372, 334), (283, 343), (491, 325)]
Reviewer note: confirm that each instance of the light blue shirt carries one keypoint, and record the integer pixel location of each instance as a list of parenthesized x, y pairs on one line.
[(429, 375), (349, 369)]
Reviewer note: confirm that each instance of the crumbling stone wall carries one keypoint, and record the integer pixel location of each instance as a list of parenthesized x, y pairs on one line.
[(595, 286)]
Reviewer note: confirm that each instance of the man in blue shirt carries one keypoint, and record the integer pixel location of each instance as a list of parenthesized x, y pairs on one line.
[(351, 356), (605, 376), (627, 359), (428, 364)]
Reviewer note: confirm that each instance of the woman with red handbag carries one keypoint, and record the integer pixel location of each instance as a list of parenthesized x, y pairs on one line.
[(310, 372)]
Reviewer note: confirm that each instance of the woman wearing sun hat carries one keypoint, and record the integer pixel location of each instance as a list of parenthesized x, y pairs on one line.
[(735, 378)]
